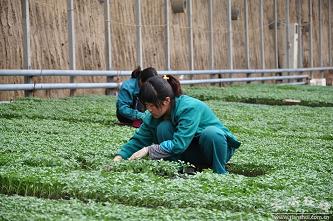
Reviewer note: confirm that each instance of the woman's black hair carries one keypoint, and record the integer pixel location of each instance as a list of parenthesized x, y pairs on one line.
[(136, 72), (147, 73), (157, 88), (144, 74)]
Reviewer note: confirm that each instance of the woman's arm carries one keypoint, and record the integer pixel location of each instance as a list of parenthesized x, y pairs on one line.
[(143, 137)]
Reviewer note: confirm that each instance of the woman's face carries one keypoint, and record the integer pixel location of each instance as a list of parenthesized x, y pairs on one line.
[(158, 112)]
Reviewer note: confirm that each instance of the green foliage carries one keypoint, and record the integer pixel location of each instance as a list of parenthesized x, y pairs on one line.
[(93, 109), (266, 94), (62, 149), (32, 208)]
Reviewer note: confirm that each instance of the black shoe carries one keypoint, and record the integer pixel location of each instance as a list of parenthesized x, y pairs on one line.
[(187, 170)]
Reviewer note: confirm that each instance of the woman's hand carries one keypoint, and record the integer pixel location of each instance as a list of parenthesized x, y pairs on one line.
[(117, 158), (139, 154)]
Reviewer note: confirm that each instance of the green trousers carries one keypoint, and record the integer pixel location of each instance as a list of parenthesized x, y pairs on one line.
[(209, 150)]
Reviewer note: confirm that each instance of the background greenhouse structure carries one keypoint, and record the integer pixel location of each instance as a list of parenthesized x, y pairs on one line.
[(50, 45), (264, 67)]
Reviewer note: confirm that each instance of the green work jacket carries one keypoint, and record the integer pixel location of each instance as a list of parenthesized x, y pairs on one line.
[(128, 93), (189, 116)]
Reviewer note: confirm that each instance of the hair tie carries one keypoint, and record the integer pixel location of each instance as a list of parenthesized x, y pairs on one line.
[(165, 77)]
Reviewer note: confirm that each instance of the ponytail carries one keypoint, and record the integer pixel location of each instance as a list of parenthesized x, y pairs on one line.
[(136, 72), (174, 83)]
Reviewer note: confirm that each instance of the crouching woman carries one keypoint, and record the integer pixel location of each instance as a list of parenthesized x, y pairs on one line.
[(179, 127), (129, 108)]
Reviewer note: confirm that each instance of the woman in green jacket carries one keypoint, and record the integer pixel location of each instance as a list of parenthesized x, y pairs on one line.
[(179, 127), (129, 108)]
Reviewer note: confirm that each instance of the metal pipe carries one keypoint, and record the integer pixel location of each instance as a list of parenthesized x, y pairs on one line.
[(35, 72), (71, 35), (26, 43), (71, 39), (138, 33), (276, 55), (230, 47), (261, 25), (320, 38), (108, 42), (320, 34), (26, 35), (246, 35), (167, 36), (310, 32), (242, 71), (300, 35), (46, 86), (211, 34), (190, 34), (107, 30), (287, 33), (19, 72), (330, 33), (218, 80)]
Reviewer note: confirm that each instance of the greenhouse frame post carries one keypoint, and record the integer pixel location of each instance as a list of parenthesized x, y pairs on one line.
[(108, 42), (310, 34), (246, 37), (300, 35), (276, 42), (211, 37), (230, 43), (262, 44), (26, 44), (287, 34), (211, 34), (320, 37), (276, 53), (71, 40), (167, 36), (190, 35), (138, 33), (330, 32)]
